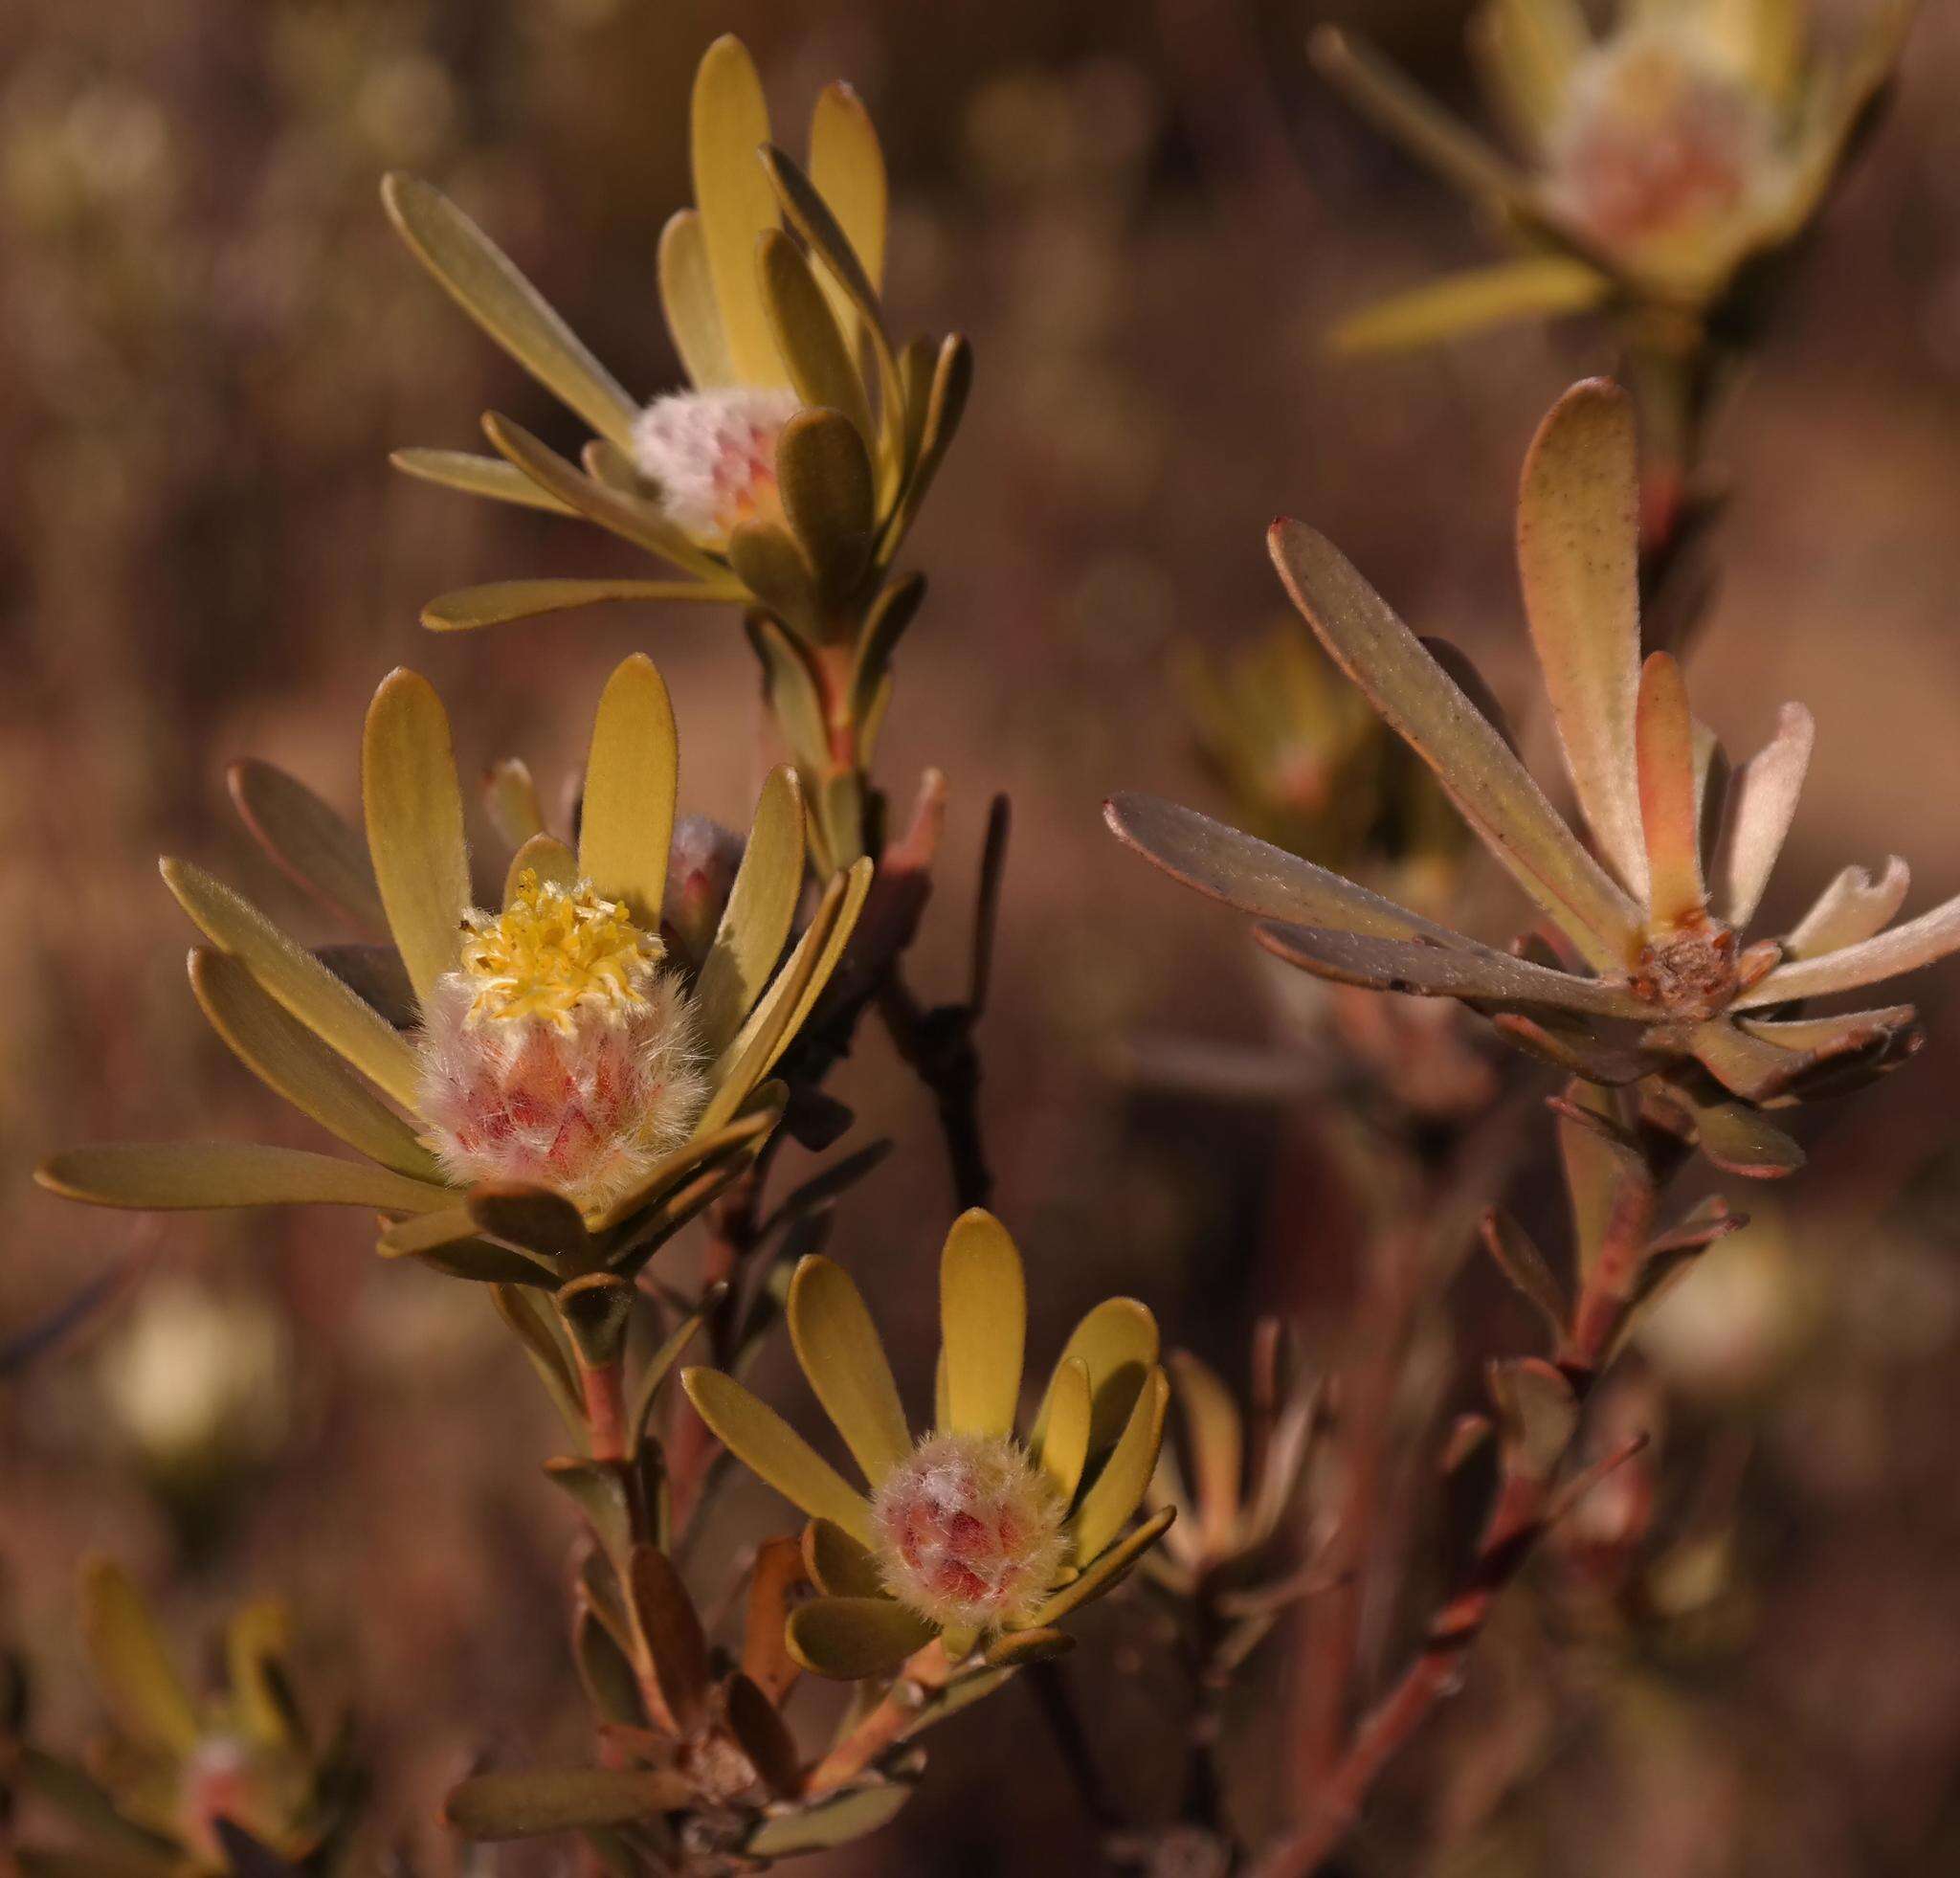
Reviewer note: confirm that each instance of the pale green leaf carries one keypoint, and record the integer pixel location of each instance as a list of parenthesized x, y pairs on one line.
[(837, 1346), (292, 1062), (476, 475), (728, 124), (298, 981), (166, 1177), (771, 1450), (633, 771), (1541, 288), (983, 1324), (687, 298), (484, 283), (315, 844), (414, 808)]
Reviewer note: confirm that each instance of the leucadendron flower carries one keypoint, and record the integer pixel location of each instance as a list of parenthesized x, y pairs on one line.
[(1652, 971), (970, 1534), (785, 475), (564, 1092), (187, 1784), (1654, 164)]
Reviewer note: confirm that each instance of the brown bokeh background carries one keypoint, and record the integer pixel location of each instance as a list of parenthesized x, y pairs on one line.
[(1145, 214)]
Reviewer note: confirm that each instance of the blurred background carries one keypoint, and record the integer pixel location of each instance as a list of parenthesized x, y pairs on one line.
[(1145, 214)]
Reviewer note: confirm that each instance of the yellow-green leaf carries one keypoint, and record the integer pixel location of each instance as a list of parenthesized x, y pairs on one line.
[(299, 980), (312, 842), (486, 285), (761, 907), (632, 519), (823, 473), (474, 474), (823, 364), (836, 1821), (1022, 1647), (837, 1564), (983, 1324), (837, 1345), (847, 166), (414, 809), (728, 124), (1105, 1572), (1117, 1344), (1543, 287), (776, 1453), (848, 1638), (292, 1061), (522, 1806), (497, 602), (169, 1177), (812, 219), (1118, 1491), (1063, 1449), (547, 858), (1530, 49), (687, 298), (137, 1677), (1468, 755), (632, 775)]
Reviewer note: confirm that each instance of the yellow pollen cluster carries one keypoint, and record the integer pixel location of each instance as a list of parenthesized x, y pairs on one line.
[(552, 951)]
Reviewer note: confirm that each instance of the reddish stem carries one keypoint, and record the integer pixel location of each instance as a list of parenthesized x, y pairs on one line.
[(604, 1400)]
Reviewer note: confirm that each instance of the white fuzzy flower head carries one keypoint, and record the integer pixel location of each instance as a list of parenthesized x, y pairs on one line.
[(969, 1531), (1666, 153), (713, 455), (559, 1052)]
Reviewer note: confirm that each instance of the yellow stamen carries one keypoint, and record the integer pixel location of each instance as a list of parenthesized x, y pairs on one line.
[(552, 951)]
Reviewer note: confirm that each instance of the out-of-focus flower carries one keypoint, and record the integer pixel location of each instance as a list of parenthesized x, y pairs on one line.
[(1232, 1552), (1659, 161), (1727, 1334), (1314, 770), (198, 1382), (1653, 974), (183, 1786), (786, 476), (969, 1536), (566, 1096)]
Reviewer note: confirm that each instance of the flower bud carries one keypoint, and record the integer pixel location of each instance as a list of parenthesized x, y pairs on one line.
[(969, 1531), (713, 455)]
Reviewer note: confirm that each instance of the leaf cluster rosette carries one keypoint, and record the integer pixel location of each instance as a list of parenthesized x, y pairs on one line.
[(968, 1543), (382, 1084), (183, 1784), (1643, 968), (786, 476), (1657, 167)]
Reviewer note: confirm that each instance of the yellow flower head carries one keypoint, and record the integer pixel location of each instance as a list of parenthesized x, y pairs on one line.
[(554, 952), (558, 1052)]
